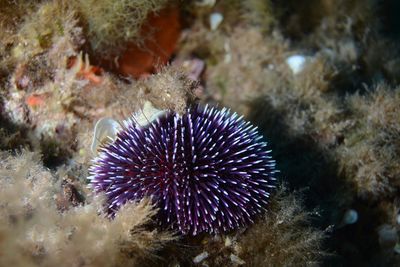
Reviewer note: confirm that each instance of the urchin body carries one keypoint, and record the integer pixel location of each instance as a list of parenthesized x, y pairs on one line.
[(206, 171)]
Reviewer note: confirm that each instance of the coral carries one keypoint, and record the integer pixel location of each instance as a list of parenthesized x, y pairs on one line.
[(11, 15), (46, 92), (259, 13), (168, 89), (43, 28), (371, 145), (349, 33), (336, 18), (191, 166), (282, 239), (43, 45), (235, 79), (110, 25), (35, 233)]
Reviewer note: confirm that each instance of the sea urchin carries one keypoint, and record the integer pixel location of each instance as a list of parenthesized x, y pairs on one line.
[(206, 171)]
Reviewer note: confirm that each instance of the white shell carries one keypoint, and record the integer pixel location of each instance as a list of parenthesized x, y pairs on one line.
[(145, 116), (215, 20), (350, 217), (108, 128), (236, 260), (296, 63), (104, 128), (199, 258)]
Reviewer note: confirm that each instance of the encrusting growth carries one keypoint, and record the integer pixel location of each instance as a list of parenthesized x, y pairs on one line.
[(34, 232)]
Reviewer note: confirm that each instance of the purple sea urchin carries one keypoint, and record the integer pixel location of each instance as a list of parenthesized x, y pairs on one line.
[(207, 170)]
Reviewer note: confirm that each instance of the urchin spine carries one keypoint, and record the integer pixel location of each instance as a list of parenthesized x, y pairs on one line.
[(207, 171)]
